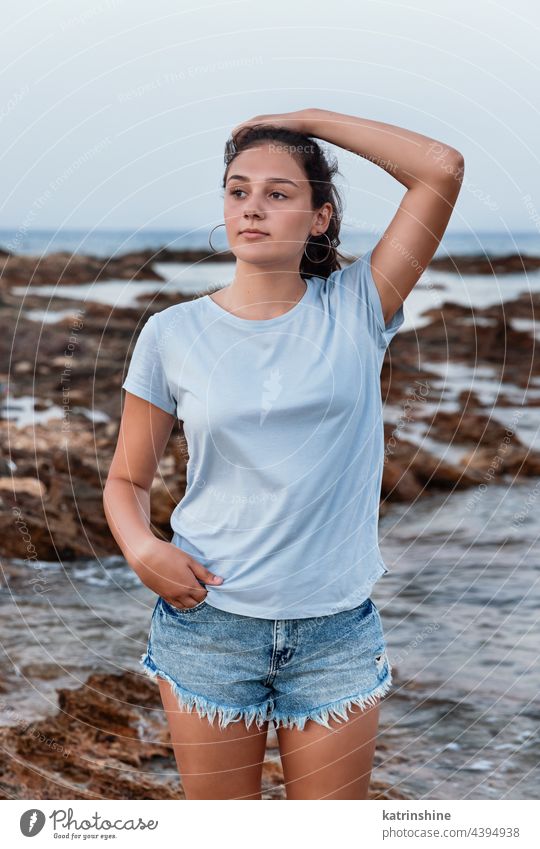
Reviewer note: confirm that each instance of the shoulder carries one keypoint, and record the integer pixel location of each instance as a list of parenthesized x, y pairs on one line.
[(173, 315), (178, 325), (162, 317), (355, 298)]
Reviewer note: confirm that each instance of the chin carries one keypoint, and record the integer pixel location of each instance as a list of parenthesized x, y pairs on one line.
[(252, 250)]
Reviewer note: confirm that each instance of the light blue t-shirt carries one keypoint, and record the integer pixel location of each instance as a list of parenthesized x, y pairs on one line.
[(284, 428)]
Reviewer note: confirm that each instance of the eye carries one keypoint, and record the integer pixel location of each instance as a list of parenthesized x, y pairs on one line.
[(235, 193)]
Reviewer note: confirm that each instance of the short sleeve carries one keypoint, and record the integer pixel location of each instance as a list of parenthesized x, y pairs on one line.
[(146, 376), (359, 289)]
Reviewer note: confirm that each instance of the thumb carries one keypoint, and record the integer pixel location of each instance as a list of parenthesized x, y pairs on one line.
[(204, 574)]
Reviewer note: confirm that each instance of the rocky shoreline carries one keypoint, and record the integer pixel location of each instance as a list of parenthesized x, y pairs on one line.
[(77, 364), (62, 266), (52, 474), (109, 740)]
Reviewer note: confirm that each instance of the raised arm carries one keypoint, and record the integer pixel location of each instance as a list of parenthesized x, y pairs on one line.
[(432, 173)]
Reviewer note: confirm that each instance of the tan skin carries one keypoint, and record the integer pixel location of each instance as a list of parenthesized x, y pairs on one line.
[(318, 763), (267, 280)]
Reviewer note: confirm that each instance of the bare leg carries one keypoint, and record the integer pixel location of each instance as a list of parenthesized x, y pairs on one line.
[(214, 762), (319, 763)]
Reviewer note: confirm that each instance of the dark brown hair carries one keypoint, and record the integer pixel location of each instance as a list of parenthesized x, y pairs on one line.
[(319, 170)]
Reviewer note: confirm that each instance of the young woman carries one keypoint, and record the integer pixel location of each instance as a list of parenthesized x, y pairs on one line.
[(264, 609)]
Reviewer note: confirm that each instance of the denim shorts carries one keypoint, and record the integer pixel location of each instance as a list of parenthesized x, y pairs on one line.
[(286, 670)]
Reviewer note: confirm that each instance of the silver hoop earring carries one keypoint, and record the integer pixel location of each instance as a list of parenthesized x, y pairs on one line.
[(210, 237), (327, 255)]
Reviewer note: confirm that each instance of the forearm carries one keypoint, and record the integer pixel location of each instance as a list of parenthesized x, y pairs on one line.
[(127, 510), (410, 157)]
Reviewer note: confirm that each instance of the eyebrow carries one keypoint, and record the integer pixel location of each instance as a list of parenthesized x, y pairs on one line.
[(268, 179)]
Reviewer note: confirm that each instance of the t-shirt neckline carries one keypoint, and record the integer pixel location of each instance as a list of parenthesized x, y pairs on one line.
[(259, 322)]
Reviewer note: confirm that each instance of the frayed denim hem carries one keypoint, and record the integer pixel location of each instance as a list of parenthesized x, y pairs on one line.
[(189, 700), (334, 710)]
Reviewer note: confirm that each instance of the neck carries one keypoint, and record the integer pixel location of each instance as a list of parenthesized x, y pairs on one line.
[(260, 292)]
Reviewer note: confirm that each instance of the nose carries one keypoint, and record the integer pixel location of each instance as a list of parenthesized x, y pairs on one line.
[(254, 206), (249, 212)]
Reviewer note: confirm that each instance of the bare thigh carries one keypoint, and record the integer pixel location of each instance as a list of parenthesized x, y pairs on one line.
[(214, 762), (336, 763)]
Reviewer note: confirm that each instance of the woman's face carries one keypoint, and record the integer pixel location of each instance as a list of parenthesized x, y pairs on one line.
[(267, 190)]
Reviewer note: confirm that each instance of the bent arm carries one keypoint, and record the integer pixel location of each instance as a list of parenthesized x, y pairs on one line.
[(144, 432), (431, 171), (412, 158)]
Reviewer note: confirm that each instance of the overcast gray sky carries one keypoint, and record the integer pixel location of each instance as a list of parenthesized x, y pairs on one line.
[(115, 113)]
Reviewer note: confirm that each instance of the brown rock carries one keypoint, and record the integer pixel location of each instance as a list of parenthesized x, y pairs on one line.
[(482, 264), (30, 486), (110, 740), (468, 428), (102, 743), (509, 460), (61, 466)]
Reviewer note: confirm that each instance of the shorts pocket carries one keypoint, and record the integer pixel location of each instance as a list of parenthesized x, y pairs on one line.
[(180, 611), (364, 610)]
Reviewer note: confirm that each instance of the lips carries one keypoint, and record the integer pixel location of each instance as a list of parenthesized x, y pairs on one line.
[(254, 232)]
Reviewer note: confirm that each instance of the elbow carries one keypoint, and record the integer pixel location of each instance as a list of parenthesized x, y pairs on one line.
[(104, 497), (107, 482), (448, 163), (457, 165), (105, 493), (454, 166)]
